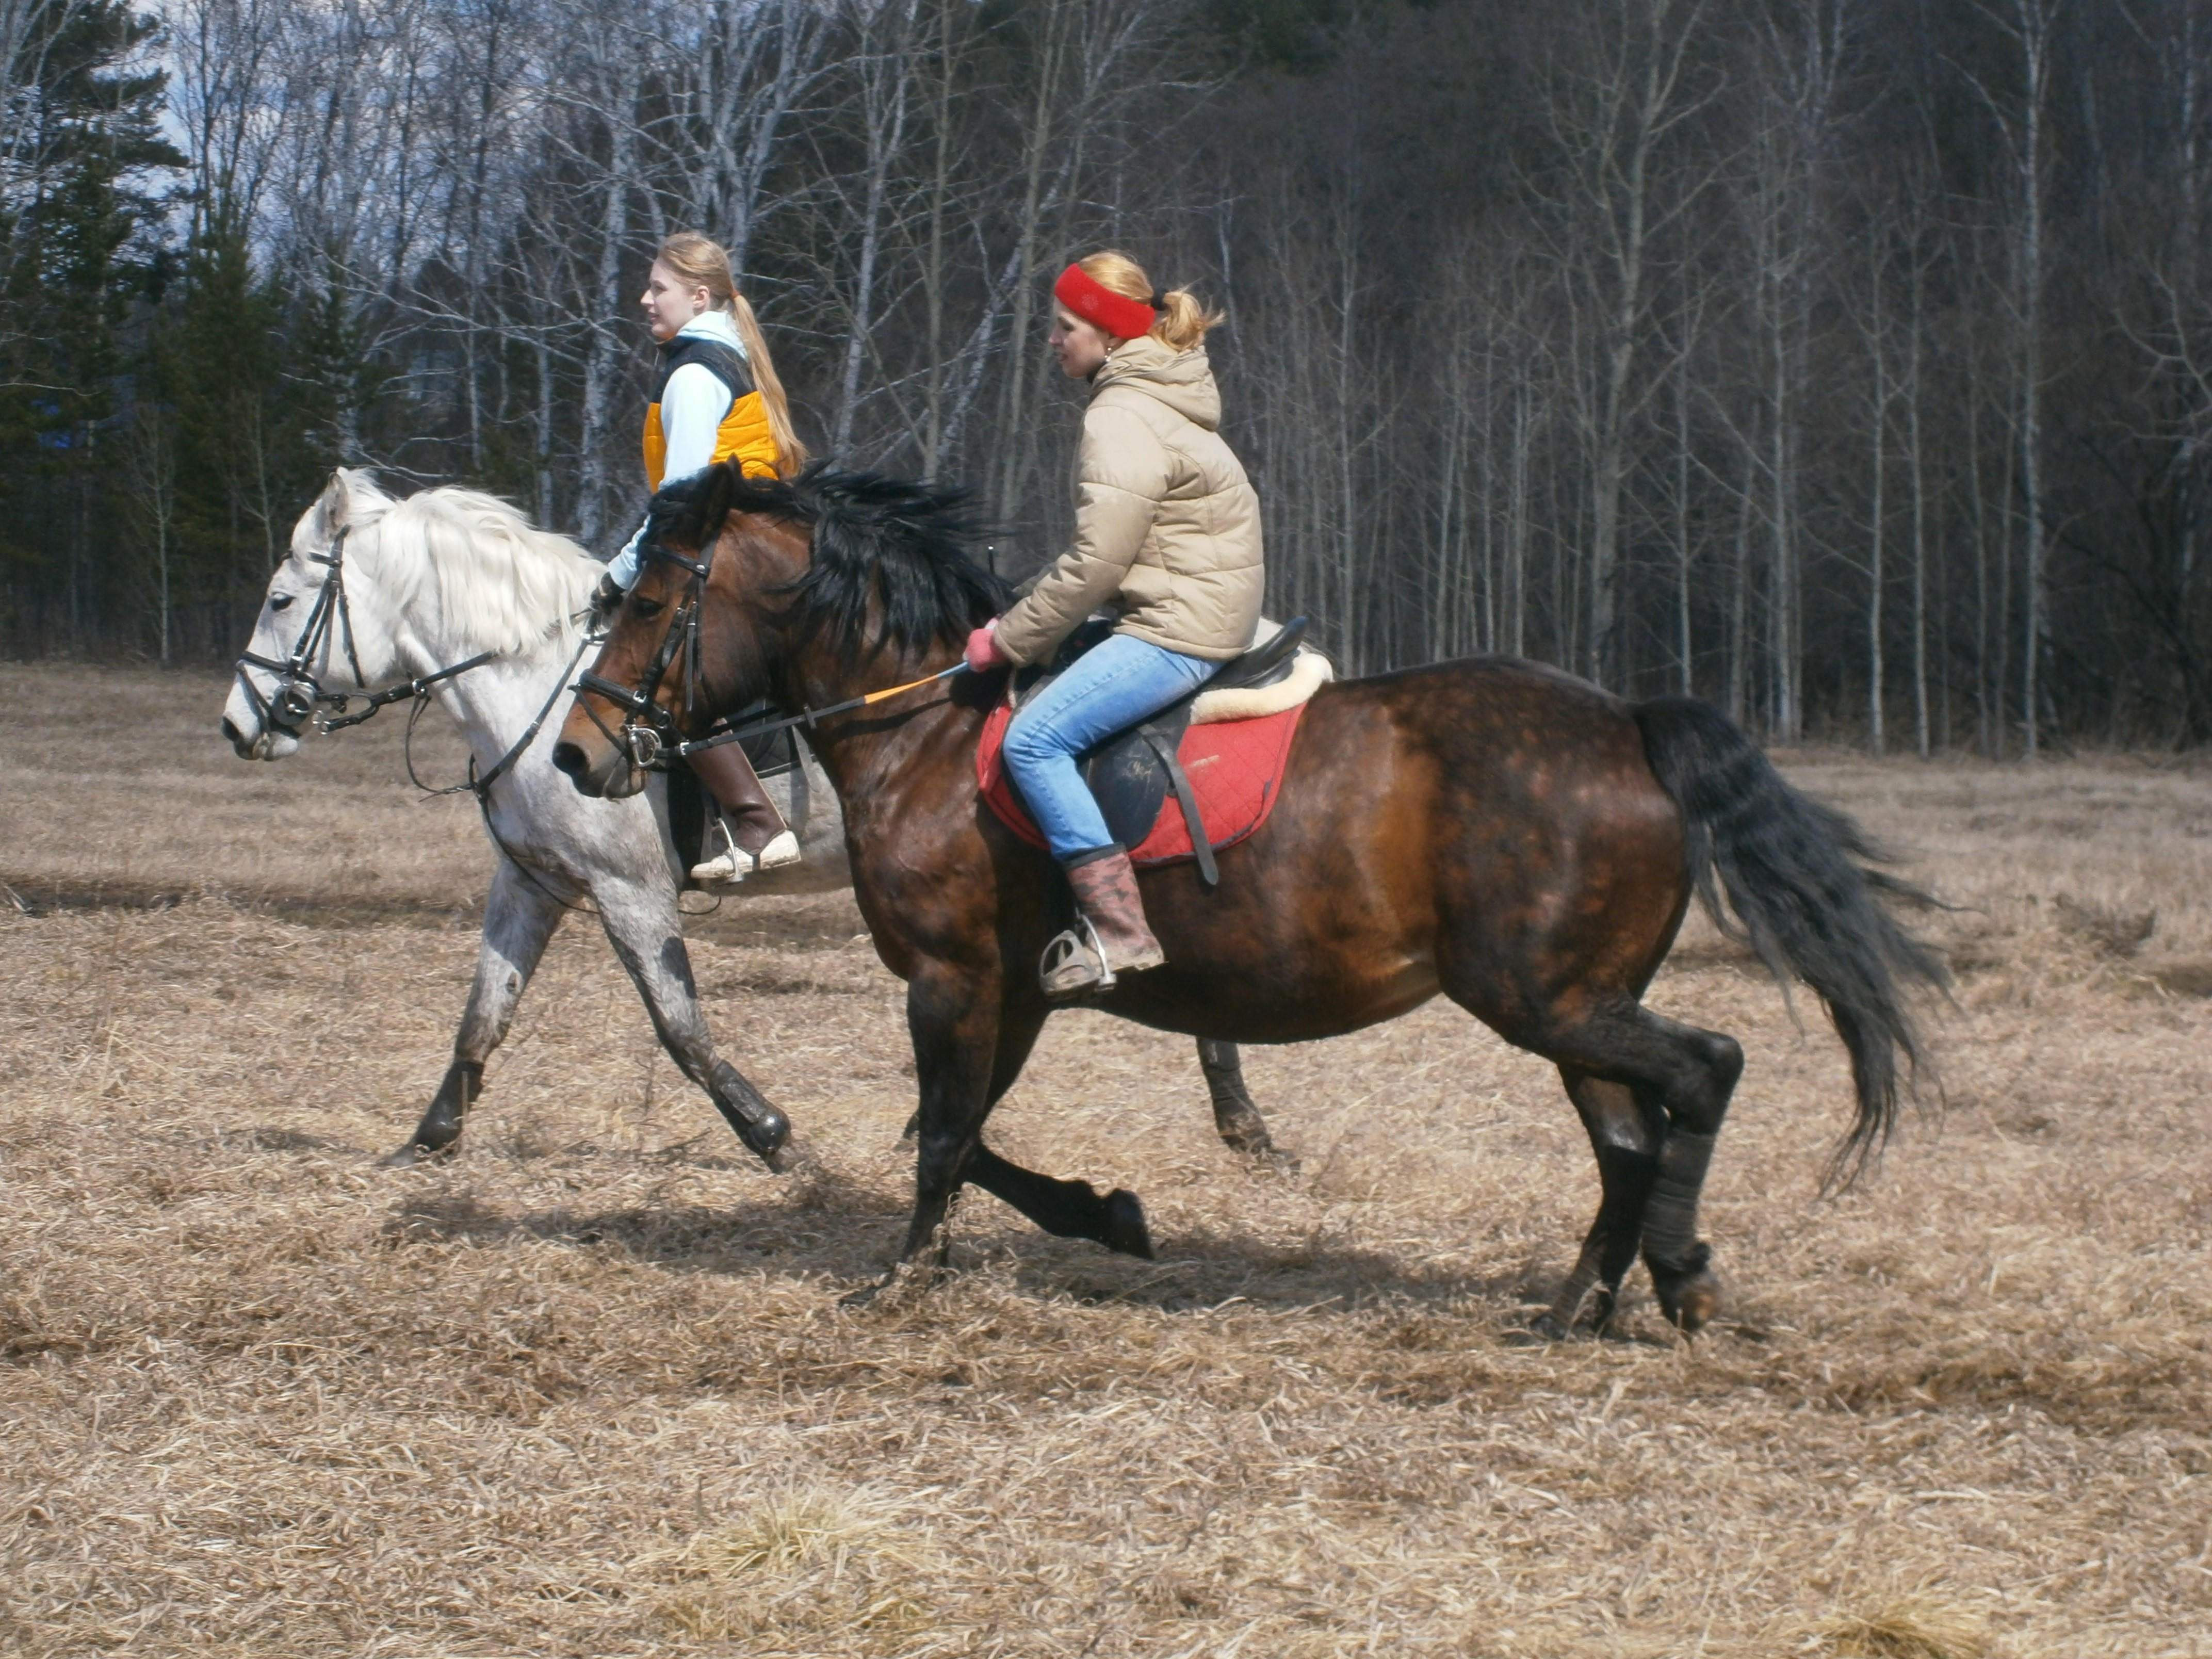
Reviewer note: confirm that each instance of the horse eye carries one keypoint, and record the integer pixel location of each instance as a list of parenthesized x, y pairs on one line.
[(280, 601), (645, 607)]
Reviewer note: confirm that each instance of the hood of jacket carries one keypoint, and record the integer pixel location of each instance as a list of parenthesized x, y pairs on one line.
[(1183, 380)]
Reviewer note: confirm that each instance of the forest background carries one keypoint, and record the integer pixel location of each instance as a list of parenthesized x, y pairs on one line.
[(1847, 361)]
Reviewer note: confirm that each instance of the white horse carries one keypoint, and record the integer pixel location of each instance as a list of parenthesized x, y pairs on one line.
[(381, 591)]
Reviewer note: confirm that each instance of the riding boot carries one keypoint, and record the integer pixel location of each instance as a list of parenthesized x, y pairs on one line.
[(756, 832), (1119, 940)]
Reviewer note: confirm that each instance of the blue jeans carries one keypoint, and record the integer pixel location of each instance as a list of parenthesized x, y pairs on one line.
[(1111, 687)]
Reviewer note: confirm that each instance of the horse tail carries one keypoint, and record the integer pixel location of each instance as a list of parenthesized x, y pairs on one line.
[(1800, 880)]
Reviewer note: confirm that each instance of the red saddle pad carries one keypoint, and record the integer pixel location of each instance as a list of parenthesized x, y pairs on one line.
[(1236, 768)]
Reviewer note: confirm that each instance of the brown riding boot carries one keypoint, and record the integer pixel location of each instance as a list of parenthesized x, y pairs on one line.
[(1106, 893), (758, 838)]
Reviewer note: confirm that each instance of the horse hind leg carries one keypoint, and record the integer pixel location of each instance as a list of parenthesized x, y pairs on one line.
[(1236, 1119), (1625, 1138), (1680, 1080), (641, 924), (520, 919)]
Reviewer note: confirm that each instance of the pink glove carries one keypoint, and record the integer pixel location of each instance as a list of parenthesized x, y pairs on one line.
[(984, 653)]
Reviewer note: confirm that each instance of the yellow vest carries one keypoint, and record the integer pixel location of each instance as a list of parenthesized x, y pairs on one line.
[(745, 435)]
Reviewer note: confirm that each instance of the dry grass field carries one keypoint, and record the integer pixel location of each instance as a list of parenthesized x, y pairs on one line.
[(587, 1389)]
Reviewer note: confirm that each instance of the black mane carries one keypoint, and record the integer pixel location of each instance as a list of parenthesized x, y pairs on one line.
[(898, 542)]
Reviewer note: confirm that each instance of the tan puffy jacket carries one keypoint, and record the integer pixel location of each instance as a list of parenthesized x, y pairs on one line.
[(1167, 528)]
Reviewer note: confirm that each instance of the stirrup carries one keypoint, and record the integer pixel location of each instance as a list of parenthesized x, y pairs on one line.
[(1072, 965), (735, 863)]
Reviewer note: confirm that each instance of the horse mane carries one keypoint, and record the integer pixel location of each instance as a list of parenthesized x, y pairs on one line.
[(499, 583), (890, 566)]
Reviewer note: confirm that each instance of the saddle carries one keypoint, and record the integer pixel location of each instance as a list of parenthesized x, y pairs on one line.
[(1133, 773)]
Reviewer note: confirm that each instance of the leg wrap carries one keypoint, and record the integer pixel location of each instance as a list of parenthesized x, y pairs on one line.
[(759, 1125), (1670, 1219)]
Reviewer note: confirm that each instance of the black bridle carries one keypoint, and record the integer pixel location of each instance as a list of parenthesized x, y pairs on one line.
[(300, 691), (649, 736)]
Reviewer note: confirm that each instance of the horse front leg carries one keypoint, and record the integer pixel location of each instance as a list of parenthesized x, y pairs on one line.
[(953, 1017), (642, 924), (520, 918), (1065, 1209)]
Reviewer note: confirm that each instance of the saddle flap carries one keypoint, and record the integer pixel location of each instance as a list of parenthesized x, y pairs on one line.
[(1127, 777)]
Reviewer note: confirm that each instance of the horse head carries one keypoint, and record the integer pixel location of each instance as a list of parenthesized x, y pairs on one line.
[(700, 632), (802, 590), (312, 626)]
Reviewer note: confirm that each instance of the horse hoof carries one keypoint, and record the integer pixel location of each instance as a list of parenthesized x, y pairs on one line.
[(1125, 1231), (413, 1154), (787, 1157), (905, 1281), (1690, 1296), (1694, 1305)]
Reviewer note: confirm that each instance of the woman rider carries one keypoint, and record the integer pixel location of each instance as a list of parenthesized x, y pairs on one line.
[(716, 398), (1167, 536)]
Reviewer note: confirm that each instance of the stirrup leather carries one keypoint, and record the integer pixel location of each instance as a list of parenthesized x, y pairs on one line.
[(1069, 959)]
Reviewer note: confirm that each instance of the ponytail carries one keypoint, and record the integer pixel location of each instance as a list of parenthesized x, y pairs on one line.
[(1183, 318), (703, 262), (1183, 323), (790, 454)]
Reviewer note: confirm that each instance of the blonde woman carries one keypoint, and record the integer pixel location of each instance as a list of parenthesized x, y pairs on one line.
[(716, 398), (1167, 536)]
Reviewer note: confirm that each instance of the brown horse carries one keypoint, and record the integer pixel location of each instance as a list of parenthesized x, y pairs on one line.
[(1516, 838)]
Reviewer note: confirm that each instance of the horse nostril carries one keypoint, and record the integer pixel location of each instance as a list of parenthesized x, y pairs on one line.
[(569, 758), (237, 741)]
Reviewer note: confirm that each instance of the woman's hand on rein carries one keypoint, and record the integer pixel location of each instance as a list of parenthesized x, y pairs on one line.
[(984, 652)]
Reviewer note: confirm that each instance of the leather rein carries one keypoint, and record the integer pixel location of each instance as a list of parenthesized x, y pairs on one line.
[(649, 737)]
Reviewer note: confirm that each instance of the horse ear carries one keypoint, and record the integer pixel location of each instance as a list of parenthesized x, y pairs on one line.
[(711, 506)]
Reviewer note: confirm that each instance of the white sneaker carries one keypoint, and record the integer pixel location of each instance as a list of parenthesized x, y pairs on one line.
[(736, 864)]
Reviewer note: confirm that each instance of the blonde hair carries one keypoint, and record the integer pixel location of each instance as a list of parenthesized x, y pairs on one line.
[(1183, 319), (700, 261)]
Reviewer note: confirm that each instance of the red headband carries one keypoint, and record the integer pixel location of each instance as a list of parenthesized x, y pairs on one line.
[(1118, 314)]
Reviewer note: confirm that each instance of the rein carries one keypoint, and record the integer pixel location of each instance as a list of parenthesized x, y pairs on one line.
[(649, 737)]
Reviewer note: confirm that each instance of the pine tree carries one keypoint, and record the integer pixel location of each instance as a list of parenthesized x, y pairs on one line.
[(77, 235)]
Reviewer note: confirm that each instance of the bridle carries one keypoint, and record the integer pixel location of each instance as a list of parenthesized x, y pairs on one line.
[(299, 692), (649, 738)]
